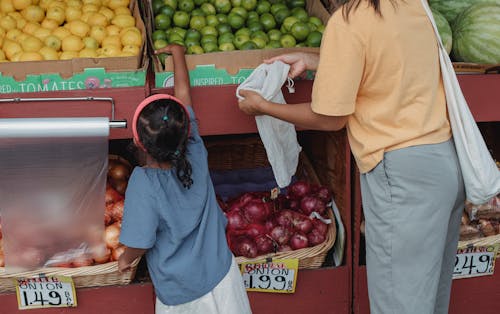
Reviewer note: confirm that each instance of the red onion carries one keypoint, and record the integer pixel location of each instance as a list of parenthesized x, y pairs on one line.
[(270, 224), (285, 217), (302, 223), (299, 241), (255, 230), (284, 248), (280, 234), (324, 194), (246, 247), (315, 237), (310, 204), (235, 220), (256, 210), (320, 226), (264, 244), (299, 189)]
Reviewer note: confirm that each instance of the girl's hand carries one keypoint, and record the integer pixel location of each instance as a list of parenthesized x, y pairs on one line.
[(252, 102), (171, 49), (299, 62), (123, 265)]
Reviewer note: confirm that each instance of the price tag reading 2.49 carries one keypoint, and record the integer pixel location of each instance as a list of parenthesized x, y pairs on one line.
[(45, 292), (475, 261), (278, 276)]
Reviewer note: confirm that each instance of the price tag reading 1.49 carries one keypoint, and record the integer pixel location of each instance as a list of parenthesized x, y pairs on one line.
[(475, 261), (45, 292), (278, 276)]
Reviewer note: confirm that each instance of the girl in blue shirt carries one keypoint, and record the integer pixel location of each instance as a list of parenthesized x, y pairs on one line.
[(171, 213)]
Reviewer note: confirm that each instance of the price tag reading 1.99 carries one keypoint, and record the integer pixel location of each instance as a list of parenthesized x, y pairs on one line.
[(278, 276), (475, 261), (45, 292)]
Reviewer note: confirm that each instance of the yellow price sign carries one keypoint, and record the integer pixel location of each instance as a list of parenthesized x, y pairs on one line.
[(271, 275), (45, 292), (474, 261)]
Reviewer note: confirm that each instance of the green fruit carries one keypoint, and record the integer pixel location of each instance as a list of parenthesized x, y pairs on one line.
[(181, 19), (315, 20), (212, 20), (451, 8), (197, 12), (209, 30), (208, 9), (296, 3), (300, 14), (162, 22), (260, 34), (235, 20), (281, 15), (186, 5), (273, 44), (223, 28), (210, 47), (191, 42), (267, 20), (300, 30), (193, 34), (162, 57), (259, 42), (225, 38), (255, 26), (159, 43), (314, 39), (249, 5), (158, 34), (236, 3), (276, 7), (288, 22), (180, 31), (171, 3), (476, 34), (227, 47), (243, 31), (263, 7), (274, 34), (248, 45), (222, 6), (208, 39), (288, 41), (240, 11), (174, 37), (195, 50), (239, 40), (444, 30), (156, 5), (221, 17), (197, 22)]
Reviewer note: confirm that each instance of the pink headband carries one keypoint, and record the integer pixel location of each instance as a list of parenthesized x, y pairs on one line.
[(146, 102)]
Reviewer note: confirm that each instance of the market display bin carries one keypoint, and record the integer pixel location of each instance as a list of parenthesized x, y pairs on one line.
[(481, 93)]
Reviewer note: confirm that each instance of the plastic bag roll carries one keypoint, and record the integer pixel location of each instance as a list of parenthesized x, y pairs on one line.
[(52, 184)]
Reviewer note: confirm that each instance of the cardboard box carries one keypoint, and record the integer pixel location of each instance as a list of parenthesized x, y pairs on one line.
[(78, 73), (223, 68)]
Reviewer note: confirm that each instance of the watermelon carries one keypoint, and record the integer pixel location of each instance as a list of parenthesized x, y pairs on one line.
[(451, 8), (476, 34), (444, 29)]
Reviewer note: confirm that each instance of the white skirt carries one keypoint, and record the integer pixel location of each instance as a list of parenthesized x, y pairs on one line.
[(228, 297)]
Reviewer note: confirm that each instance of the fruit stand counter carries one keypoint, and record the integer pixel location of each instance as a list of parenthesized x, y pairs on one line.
[(469, 295)]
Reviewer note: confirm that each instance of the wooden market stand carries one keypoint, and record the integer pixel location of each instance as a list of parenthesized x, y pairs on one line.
[(329, 289)]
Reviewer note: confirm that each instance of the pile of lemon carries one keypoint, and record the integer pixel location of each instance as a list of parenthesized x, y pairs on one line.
[(33, 30)]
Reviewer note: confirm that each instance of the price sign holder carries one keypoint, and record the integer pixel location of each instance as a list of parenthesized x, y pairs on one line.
[(270, 275), (45, 292), (474, 261)]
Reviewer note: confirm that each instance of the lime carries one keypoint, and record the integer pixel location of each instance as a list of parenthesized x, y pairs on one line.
[(314, 39), (171, 3), (315, 20), (255, 26), (288, 22), (296, 3), (210, 47), (208, 8), (156, 4), (239, 40), (195, 50), (162, 57), (159, 43), (197, 3), (225, 38), (221, 17), (281, 15), (186, 5), (167, 10), (227, 47), (158, 34), (179, 31), (300, 14), (312, 26), (181, 19), (222, 6), (208, 39), (192, 34), (267, 20), (249, 5), (212, 20), (223, 28), (191, 42), (243, 31), (321, 28), (300, 30), (274, 34), (277, 6), (261, 35), (252, 15), (273, 44), (288, 41), (197, 22), (162, 21), (174, 37), (249, 45), (209, 30), (259, 42), (240, 11), (235, 20), (236, 3), (263, 7), (197, 12)]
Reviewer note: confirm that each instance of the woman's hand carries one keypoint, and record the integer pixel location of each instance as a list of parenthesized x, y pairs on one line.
[(171, 49), (252, 102), (299, 62)]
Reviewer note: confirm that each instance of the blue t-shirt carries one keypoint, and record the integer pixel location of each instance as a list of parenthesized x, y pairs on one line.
[(182, 229)]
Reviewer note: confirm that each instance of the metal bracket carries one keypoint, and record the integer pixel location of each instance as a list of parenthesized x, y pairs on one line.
[(112, 123)]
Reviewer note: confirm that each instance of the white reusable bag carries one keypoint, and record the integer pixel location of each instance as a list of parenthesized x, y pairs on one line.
[(278, 136), (480, 173)]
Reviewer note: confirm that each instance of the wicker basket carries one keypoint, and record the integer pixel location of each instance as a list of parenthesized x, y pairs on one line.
[(88, 276), (491, 240), (249, 153)]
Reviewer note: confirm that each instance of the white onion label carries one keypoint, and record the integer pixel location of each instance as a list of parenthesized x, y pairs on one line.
[(277, 276), (475, 261), (45, 292)]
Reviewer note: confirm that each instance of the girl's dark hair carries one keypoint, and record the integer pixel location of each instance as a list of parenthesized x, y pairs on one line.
[(349, 5), (163, 128)]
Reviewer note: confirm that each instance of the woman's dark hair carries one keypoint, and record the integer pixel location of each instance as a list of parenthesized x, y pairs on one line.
[(163, 128)]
